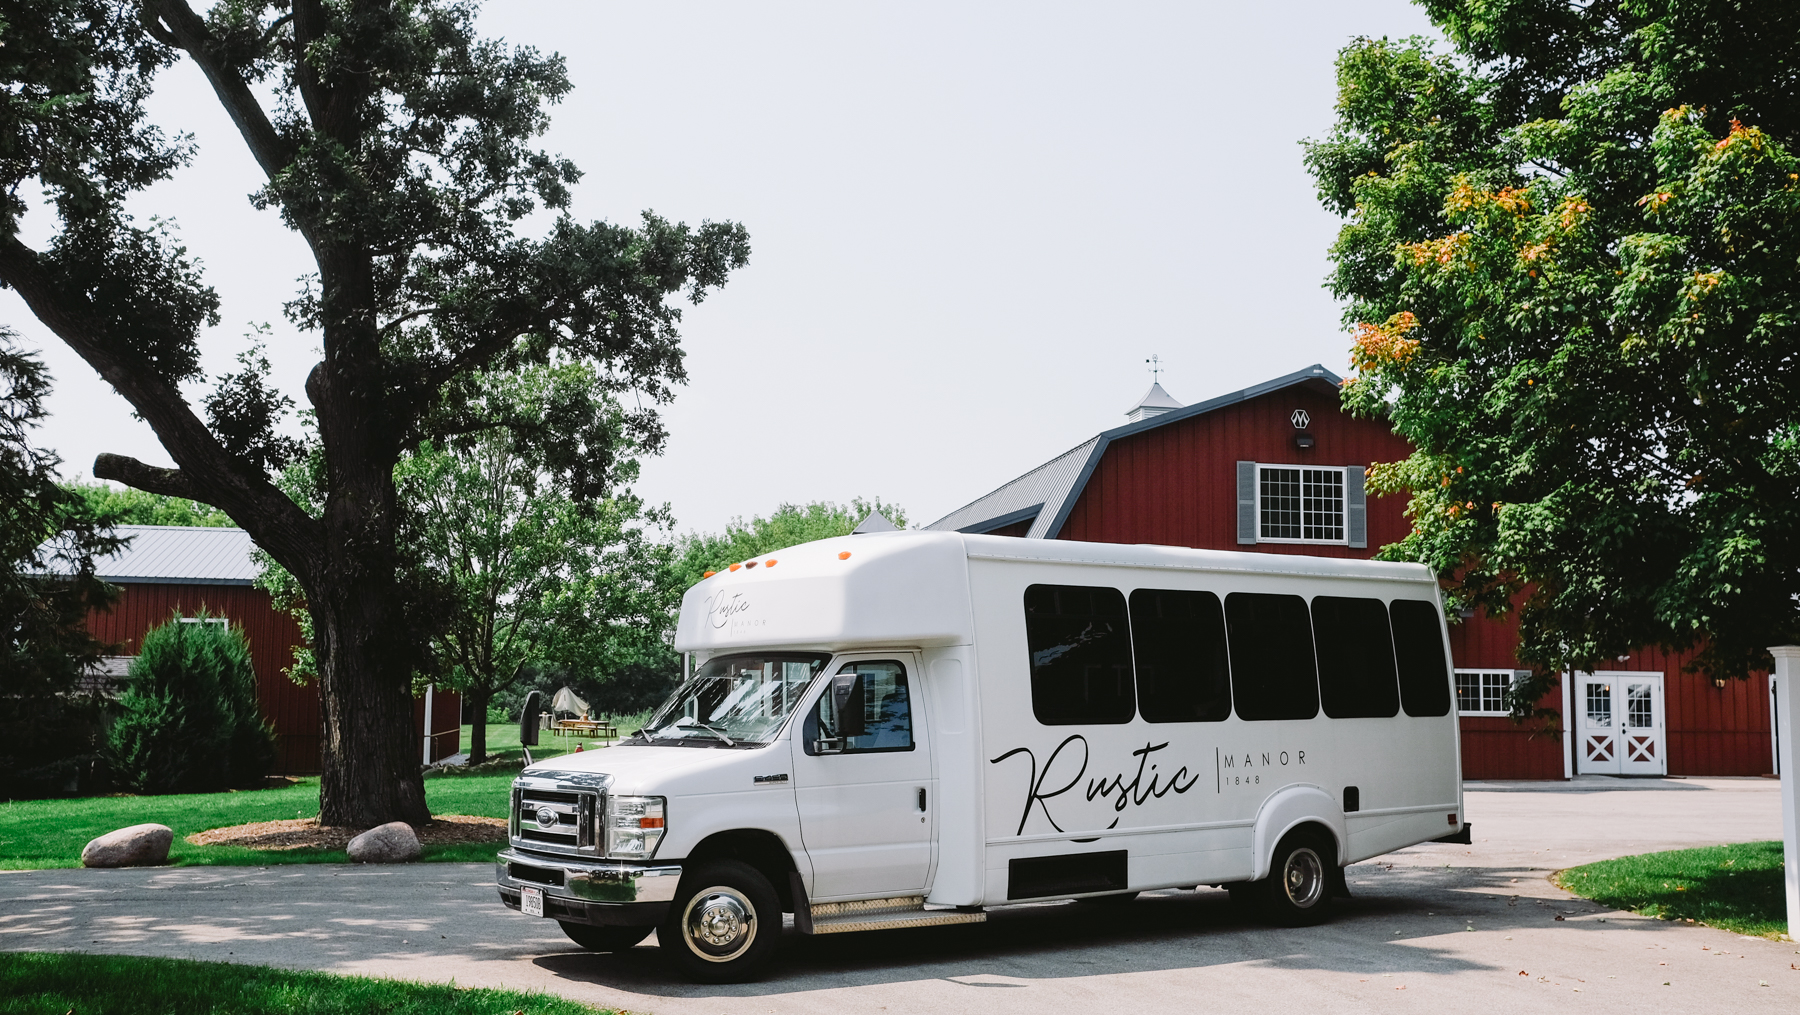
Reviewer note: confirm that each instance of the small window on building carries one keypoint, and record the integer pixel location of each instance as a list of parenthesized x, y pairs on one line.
[(1419, 653), (1484, 692), (1300, 505), (1356, 658), (1080, 654), (221, 621), (1272, 666), (1178, 642)]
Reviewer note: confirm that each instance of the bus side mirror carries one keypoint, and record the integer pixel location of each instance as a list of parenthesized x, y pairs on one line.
[(847, 702), (528, 719)]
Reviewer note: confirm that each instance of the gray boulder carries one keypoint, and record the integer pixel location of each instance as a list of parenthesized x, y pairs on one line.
[(393, 842), (136, 846)]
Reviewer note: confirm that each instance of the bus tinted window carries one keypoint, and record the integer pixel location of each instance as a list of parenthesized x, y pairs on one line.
[(1356, 658), (1080, 655), (1272, 675), (1419, 649), (1178, 642)]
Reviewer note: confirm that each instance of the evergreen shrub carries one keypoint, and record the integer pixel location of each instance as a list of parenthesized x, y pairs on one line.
[(188, 721)]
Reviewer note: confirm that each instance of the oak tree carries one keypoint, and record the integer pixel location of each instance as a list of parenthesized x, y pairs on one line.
[(400, 146)]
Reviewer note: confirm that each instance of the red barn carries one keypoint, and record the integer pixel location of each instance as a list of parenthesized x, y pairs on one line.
[(170, 571), (1278, 468)]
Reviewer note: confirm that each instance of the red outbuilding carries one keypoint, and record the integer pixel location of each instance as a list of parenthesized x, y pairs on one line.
[(1279, 468), (171, 572)]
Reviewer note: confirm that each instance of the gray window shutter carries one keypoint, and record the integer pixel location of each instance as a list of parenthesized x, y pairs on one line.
[(1246, 502), (1356, 507)]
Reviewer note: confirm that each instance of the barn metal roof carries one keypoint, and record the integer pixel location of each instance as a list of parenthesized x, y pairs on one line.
[(1048, 493), (181, 555)]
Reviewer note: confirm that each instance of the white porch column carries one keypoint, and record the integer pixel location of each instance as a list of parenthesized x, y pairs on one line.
[(1787, 720), (425, 756)]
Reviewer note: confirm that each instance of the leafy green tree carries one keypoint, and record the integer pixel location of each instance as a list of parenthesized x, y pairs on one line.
[(1569, 259), (399, 145), (787, 525), (531, 574), (48, 541), (188, 721), (121, 505)]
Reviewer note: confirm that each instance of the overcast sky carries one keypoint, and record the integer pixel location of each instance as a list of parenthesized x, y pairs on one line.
[(971, 223)]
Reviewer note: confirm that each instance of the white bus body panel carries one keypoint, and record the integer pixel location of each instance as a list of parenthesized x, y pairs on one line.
[(1191, 803)]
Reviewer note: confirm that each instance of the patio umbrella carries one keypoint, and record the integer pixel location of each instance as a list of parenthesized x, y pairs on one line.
[(566, 701)]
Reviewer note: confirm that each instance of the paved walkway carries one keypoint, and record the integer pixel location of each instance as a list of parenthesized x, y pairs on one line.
[(1432, 928)]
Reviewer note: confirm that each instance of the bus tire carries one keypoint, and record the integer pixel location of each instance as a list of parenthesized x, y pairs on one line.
[(1297, 892), (724, 923), (604, 939)]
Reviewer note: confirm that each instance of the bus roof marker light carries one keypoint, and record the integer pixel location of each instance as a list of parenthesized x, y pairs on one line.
[(844, 556), (709, 574), (771, 562), (734, 567)]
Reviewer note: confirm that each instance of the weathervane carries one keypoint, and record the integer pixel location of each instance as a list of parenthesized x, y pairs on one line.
[(1156, 367)]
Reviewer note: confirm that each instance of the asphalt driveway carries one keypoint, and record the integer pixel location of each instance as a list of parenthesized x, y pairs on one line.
[(1431, 928)]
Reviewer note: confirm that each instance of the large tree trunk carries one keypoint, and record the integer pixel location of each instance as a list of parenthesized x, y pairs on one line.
[(370, 756)]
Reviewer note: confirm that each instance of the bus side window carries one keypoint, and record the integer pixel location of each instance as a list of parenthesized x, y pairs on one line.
[(1273, 675), (1080, 655), (1419, 649), (1356, 658), (1178, 643)]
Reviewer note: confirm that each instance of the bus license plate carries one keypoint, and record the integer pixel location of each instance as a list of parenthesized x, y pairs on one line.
[(531, 901)]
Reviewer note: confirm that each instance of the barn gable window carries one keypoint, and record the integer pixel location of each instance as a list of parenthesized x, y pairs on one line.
[(1301, 504)]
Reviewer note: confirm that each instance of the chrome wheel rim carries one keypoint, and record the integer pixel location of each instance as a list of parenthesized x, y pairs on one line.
[(1303, 878), (719, 924)]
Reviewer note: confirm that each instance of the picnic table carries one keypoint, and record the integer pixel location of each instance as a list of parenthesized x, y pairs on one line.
[(595, 728)]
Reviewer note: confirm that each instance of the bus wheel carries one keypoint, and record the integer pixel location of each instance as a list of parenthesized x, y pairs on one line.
[(604, 939), (724, 923), (1297, 892)]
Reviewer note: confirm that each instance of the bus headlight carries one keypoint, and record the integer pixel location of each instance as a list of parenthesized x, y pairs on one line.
[(634, 826)]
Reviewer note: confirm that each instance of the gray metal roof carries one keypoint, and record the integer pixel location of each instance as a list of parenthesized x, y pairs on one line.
[(1022, 498), (1061, 480), (181, 555)]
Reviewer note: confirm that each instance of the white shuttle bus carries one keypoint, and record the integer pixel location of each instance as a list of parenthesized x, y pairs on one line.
[(907, 729)]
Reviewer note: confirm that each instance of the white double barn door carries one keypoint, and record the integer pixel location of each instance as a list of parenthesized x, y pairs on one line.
[(1621, 727)]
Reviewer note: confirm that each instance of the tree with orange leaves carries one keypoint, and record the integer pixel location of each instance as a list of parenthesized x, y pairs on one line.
[(1569, 260)]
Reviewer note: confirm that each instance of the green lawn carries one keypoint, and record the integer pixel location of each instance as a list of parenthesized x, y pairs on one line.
[(50, 833), (1736, 888), (38, 983)]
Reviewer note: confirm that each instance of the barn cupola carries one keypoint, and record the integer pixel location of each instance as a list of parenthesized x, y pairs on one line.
[(1155, 402)]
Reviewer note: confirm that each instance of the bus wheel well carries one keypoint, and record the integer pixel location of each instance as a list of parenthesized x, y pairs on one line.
[(758, 848), (1320, 834)]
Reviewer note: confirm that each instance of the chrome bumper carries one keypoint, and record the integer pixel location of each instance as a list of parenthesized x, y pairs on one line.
[(606, 883)]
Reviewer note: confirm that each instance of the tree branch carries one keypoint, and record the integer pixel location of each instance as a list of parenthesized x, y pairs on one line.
[(151, 478), (207, 472), (187, 30)]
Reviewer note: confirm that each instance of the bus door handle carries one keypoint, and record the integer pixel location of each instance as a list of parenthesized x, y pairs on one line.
[(921, 798)]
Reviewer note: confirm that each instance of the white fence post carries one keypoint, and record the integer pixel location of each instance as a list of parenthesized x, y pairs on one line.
[(1787, 727)]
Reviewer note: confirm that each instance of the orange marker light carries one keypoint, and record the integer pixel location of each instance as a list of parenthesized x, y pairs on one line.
[(650, 822), (734, 567), (769, 563), (844, 556), (709, 574)]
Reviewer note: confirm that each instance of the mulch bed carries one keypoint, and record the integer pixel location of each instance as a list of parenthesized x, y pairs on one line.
[(307, 833)]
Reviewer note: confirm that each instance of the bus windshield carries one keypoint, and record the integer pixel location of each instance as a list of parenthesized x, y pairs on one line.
[(736, 699)]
